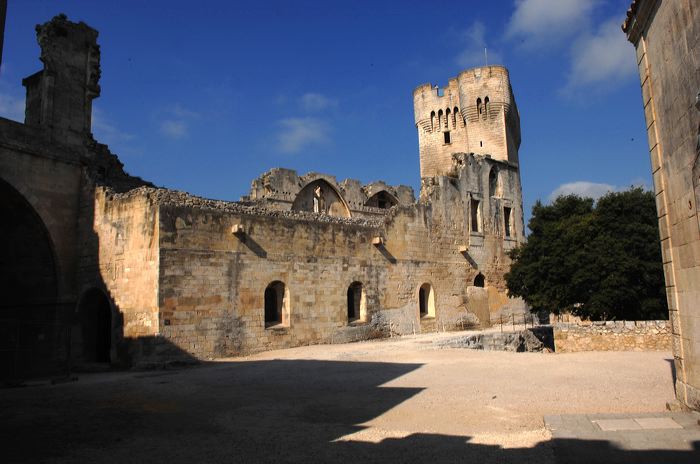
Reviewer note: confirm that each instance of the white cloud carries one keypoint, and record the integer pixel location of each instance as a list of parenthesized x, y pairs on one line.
[(474, 40), (105, 131), (594, 190), (583, 189), (546, 22), (313, 102), (12, 107), (601, 61), (175, 129), (297, 134), (176, 121)]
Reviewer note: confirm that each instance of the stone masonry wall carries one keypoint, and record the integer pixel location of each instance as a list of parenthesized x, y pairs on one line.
[(666, 36), (613, 336)]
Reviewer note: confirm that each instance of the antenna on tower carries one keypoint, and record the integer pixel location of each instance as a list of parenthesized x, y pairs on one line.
[(486, 56)]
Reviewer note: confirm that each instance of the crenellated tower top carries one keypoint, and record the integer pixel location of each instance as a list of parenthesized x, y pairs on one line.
[(475, 113)]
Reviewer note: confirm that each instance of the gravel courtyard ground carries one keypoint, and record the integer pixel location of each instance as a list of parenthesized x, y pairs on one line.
[(394, 400)]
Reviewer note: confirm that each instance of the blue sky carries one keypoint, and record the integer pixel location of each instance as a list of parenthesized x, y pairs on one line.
[(205, 96)]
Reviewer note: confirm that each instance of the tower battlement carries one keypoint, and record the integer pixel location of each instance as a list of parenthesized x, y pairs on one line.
[(475, 113)]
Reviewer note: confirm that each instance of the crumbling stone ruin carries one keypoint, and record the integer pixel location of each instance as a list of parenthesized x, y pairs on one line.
[(100, 266)]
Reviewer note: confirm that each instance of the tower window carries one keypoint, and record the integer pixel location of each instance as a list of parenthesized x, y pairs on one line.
[(479, 280), (447, 137), (506, 219), (475, 215)]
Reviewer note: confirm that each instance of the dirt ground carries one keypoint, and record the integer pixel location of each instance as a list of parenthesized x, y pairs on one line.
[(395, 400)]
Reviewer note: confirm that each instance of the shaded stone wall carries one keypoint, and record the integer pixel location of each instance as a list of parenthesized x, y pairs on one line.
[(666, 36), (613, 336)]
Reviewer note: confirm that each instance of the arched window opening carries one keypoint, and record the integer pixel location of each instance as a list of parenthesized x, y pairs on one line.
[(448, 116), (356, 302), (432, 121), (494, 184), (439, 126), (479, 280), (426, 301), (487, 107), (458, 117), (475, 207), (382, 199), (275, 303), (96, 326), (479, 109)]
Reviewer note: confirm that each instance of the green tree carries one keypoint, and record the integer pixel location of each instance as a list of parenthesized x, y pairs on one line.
[(601, 261)]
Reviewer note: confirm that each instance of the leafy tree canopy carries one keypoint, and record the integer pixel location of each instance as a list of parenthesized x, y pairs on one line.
[(601, 261)]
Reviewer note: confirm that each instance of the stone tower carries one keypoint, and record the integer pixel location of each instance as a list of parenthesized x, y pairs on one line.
[(475, 113), (59, 97)]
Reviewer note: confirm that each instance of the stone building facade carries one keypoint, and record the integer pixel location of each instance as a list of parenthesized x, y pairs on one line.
[(105, 267), (666, 36)]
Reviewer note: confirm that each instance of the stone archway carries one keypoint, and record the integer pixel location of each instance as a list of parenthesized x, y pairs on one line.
[(29, 288)]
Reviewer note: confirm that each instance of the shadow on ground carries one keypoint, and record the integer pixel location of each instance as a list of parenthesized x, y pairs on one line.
[(252, 411)]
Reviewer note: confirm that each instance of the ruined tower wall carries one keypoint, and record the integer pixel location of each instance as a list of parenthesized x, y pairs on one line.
[(489, 109), (438, 112)]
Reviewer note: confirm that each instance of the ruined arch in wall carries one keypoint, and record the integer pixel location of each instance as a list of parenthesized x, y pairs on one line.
[(96, 324), (426, 300), (322, 197), (480, 280), (382, 199)]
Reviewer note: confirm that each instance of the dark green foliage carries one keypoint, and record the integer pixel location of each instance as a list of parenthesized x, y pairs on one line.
[(599, 261)]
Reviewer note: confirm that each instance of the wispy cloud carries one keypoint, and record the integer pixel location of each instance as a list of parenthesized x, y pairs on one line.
[(600, 61), (473, 41), (312, 102), (107, 132), (175, 121), (298, 134), (593, 190), (545, 23), (12, 107)]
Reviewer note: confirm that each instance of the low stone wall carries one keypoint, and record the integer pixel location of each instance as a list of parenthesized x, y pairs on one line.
[(613, 336)]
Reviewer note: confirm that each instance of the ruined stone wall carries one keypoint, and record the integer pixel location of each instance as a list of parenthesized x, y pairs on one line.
[(666, 36), (217, 259), (126, 228), (613, 336)]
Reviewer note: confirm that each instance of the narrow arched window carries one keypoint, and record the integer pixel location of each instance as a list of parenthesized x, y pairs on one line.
[(487, 106), (479, 280), (356, 302), (439, 126), (275, 296), (459, 117), (479, 109), (426, 301), (493, 182), (432, 121)]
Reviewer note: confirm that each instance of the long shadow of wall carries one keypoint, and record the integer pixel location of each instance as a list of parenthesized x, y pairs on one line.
[(256, 411)]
